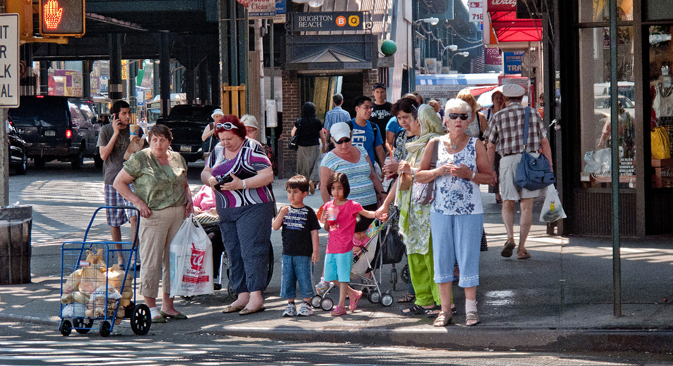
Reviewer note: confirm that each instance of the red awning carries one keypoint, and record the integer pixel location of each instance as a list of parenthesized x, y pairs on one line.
[(508, 28), (481, 90)]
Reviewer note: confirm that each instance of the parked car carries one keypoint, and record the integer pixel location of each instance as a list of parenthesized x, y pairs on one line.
[(187, 123), (57, 128), (18, 159), (602, 104)]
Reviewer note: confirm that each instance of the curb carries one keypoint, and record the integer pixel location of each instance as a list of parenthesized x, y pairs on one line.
[(463, 338)]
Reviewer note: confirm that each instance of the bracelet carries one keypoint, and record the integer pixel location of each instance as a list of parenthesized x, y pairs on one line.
[(245, 186), (433, 172), (413, 171), (473, 175)]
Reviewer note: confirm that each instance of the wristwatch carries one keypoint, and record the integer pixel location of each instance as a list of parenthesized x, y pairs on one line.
[(245, 186), (473, 175)]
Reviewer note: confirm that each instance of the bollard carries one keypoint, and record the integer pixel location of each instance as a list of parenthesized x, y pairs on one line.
[(15, 245)]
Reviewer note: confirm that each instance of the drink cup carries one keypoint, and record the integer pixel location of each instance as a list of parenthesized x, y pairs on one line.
[(331, 215), (134, 130)]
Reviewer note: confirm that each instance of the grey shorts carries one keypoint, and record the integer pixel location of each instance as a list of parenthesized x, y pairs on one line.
[(508, 189)]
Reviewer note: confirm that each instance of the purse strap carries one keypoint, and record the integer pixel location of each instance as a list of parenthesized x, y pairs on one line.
[(525, 127), (435, 154)]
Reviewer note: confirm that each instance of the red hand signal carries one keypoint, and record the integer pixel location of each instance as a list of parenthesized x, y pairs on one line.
[(52, 14)]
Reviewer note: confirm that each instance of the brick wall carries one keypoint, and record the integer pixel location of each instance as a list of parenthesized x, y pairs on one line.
[(369, 78), (291, 111)]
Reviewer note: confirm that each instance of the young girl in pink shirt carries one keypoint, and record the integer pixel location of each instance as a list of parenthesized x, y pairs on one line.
[(339, 216)]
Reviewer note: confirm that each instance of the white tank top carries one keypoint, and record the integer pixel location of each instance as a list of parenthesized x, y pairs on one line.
[(453, 195)]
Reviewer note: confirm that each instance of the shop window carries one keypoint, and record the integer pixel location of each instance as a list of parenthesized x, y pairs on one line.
[(661, 114), (592, 11), (595, 102), (659, 9)]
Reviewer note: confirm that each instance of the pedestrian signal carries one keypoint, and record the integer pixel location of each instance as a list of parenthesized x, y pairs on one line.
[(62, 17)]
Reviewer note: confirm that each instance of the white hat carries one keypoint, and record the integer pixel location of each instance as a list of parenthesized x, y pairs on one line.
[(513, 91), (216, 112), (340, 130), (250, 121)]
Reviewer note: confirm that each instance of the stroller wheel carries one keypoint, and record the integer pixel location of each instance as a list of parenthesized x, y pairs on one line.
[(315, 301), (374, 297), (327, 304), (387, 300), (405, 274)]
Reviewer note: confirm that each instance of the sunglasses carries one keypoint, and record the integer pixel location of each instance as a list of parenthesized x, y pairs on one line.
[(225, 126), (462, 116), (343, 140)]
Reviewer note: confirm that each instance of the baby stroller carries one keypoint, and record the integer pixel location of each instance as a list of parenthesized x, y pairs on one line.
[(364, 268)]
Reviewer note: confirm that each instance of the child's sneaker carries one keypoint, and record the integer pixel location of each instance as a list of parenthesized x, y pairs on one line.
[(339, 311), (305, 310), (290, 310)]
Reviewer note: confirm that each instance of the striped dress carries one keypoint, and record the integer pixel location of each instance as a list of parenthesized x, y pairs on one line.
[(362, 188), (249, 160)]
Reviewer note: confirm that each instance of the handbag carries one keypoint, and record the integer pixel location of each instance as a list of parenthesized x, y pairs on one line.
[(660, 143), (532, 173), (295, 139), (424, 193)]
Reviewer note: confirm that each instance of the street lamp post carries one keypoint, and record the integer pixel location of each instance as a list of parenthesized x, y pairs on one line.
[(464, 54)]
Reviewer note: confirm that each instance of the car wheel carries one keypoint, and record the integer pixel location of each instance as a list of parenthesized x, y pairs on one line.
[(21, 169), (40, 162), (77, 160)]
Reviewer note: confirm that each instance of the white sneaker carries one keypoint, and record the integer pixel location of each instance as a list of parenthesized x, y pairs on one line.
[(290, 310), (305, 309)]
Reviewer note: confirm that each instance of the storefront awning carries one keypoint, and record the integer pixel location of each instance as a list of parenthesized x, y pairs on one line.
[(507, 28)]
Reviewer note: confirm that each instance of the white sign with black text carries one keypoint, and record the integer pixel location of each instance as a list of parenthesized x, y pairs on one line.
[(9, 60)]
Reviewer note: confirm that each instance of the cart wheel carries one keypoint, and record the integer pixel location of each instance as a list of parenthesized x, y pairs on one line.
[(128, 311), (65, 327), (104, 330), (374, 297), (315, 301), (405, 273), (141, 320), (387, 300), (327, 304), (230, 292), (80, 327)]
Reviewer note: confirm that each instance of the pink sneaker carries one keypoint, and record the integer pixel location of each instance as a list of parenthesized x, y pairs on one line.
[(339, 311), (354, 299)]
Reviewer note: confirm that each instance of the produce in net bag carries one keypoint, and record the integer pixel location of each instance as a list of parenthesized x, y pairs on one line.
[(552, 209), (72, 283), (93, 274), (115, 277)]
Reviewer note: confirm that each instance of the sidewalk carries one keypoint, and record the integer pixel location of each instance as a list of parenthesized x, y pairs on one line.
[(559, 300)]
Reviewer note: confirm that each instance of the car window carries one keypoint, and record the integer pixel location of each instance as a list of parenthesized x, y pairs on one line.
[(77, 117), (40, 112), (191, 112), (626, 103)]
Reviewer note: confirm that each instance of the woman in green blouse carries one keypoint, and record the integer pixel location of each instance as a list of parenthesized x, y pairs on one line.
[(161, 193)]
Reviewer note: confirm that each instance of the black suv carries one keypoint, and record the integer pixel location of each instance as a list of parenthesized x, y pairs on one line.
[(58, 128), (187, 123), (17, 150)]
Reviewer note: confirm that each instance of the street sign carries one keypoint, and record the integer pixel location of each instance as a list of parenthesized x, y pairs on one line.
[(324, 21), (62, 17), (476, 11), (9, 60), (513, 62), (261, 9)]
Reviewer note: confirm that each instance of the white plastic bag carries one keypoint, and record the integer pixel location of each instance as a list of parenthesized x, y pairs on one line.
[(191, 260), (552, 209)]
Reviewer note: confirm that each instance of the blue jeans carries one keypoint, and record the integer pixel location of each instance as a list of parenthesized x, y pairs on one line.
[(296, 268), (246, 233)]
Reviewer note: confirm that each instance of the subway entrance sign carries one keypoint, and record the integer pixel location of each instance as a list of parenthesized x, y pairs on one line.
[(330, 21), (62, 18), (9, 60)]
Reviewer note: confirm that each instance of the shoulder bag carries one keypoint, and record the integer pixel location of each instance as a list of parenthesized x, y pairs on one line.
[(295, 139), (424, 193), (532, 173)]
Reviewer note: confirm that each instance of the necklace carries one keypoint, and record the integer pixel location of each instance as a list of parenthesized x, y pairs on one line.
[(455, 147)]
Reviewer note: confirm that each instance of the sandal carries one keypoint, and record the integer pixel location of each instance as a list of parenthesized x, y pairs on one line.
[(433, 312), (522, 254), (407, 299), (339, 311), (508, 249), (414, 310), (354, 299), (442, 320), (472, 316)]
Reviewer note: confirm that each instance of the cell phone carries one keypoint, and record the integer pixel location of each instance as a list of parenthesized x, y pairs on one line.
[(223, 180)]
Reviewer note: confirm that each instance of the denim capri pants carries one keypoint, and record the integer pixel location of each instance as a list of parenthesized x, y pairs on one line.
[(456, 238), (296, 269)]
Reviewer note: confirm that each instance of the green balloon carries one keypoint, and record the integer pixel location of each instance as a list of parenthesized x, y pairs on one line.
[(388, 47)]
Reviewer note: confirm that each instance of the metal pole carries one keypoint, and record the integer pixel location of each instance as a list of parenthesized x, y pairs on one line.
[(247, 61), (233, 44), (614, 133), (273, 83)]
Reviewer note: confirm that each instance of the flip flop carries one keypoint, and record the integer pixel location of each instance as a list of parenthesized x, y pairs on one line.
[(246, 311), (178, 316), (508, 249), (522, 254), (232, 309), (414, 310)]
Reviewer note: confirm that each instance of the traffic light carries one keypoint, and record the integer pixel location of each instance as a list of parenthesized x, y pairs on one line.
[(62, 18)]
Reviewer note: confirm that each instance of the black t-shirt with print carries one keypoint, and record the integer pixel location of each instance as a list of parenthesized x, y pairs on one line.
[(381, 115), (296, 231)]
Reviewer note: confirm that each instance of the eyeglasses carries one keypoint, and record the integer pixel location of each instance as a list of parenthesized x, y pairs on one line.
[(225, 126), (343, 140), (462, 116)]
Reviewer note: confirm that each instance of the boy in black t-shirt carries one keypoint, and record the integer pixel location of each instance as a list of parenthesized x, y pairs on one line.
[(300, 246)]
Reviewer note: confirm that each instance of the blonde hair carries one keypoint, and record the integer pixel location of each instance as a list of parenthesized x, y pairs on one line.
[(466, 96)]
